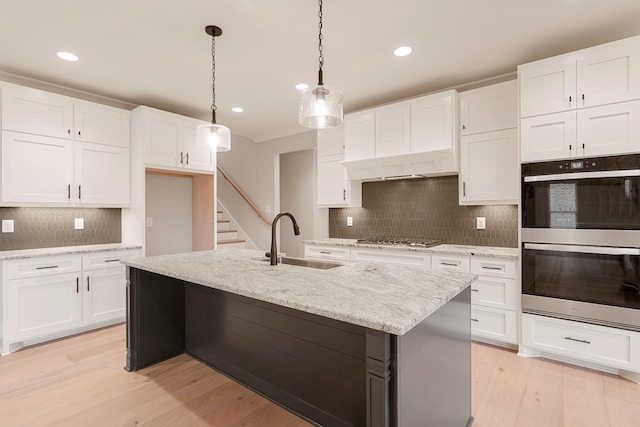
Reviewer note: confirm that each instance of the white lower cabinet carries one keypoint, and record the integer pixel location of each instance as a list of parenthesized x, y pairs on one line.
[(493, 323), (54, 296), (446, 262), (596, 344), (391, 257), (333, 253), (40, 306)]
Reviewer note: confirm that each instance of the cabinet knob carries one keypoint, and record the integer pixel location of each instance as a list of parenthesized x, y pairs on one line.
[(569, 100), (69, 132), (79, 134), (464, 126)]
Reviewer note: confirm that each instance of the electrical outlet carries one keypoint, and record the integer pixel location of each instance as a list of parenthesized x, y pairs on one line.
[(149, 222), (79, 223), (481, 223), (7, 226), (267, 209), (349, 221)]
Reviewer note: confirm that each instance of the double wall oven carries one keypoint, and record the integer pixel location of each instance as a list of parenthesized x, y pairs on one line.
[(581, 240)]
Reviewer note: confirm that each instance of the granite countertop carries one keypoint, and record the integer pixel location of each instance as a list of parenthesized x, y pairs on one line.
[(487, 251), (64, 250), (391, 299)]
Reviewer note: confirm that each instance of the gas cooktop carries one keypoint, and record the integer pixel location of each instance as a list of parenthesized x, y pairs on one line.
[(399, 242)]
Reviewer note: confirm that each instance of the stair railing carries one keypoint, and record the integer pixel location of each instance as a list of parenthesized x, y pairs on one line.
[(244, 196)]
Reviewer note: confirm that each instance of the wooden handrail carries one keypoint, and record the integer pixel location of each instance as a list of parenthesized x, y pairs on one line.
[(244, 196)]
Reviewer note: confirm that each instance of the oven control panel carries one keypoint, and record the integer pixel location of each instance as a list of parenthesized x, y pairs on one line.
[(596, 164)]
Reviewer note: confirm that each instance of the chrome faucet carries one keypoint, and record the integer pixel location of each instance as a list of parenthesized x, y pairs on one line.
[(274, 247)]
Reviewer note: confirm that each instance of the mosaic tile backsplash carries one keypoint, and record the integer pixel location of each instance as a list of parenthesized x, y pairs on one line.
[(52, 227), (424, 208)]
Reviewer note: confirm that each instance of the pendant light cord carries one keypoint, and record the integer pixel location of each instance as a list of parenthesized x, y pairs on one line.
[(213, 79), (321, 57)]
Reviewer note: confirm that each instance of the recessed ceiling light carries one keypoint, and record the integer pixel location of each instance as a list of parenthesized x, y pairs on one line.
[(302, 86), (402, 51), (67, 56), (237, 109)]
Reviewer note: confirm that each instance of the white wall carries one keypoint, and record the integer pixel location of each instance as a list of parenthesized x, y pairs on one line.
[(169, 205), (255, 168), (298, 197)]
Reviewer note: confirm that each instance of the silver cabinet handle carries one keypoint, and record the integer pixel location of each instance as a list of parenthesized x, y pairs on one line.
[(449, 264), (112, 260), (492, 268), (576, 340), (325, 252), (46, 267), (603, 250)]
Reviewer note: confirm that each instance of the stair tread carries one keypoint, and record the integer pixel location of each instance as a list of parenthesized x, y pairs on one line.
[(222, 242), (223, 220), (227, 231)]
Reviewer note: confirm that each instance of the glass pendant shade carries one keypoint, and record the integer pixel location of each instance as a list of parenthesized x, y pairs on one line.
[(320, 107), (214, 136)]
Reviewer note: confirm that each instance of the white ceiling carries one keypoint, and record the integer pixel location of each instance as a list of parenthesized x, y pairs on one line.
[(156, 53)]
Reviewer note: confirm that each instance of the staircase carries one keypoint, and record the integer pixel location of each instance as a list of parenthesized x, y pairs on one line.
[(228, 233)]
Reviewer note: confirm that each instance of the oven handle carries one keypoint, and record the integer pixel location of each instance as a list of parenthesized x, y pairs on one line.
[(583, 175), (582, 249)]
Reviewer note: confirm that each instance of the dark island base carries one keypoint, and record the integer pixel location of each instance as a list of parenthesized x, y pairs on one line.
[(329, 372)]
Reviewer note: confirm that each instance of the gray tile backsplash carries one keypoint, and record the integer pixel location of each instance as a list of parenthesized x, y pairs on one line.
[(52, 227), (424, 208)]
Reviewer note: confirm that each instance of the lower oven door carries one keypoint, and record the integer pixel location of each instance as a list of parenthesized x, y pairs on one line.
[(588, 283)]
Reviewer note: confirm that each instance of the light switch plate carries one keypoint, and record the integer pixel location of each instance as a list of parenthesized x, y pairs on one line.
[(149, 222), (349, 221), (7, 226), (481, 223), (79, 223)]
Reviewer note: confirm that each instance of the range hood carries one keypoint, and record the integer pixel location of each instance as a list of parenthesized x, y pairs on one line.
[(429, 163)]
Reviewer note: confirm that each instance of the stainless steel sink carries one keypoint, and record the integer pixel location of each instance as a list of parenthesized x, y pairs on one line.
[(309, 263)]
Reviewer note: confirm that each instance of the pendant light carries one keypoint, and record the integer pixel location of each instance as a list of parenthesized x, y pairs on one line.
[(321, 106), (216, 136)]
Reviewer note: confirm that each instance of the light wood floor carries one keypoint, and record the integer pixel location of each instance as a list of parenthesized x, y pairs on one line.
[(80, 381)]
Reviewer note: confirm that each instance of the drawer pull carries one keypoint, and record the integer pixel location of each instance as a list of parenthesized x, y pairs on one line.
[(450, 264), (492, 268), (474, 320), (46, 267), (573, 339), (325, 252), (112, 260), (475, 290)]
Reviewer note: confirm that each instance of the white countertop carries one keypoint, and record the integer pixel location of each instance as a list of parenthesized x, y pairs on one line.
[(391, 299), (64, 250), (488, 251)]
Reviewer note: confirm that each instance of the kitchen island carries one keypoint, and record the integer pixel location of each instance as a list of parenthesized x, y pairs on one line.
[(360, 344)]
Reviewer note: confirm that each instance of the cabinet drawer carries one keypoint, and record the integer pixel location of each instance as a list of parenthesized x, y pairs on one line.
[(98, 260), (450, 263), (497, 267), (493, 323), (494, 292), (33, 267), (598, 344), (391, 257), (328, 252)]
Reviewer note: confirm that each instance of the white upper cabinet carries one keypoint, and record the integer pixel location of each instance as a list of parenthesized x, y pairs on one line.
[(547, 137), (489, 166), (489, 108), (101, 124), (101, 175), (590, 77), (35, 111), (334, 188), (392, 130), (433, 122), (359, 136), (170, 142)]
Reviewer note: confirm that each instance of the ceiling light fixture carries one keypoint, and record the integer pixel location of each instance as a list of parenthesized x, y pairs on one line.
[(237, 109), (403, 51), (67, 56), (320, 107), (302, 86), (218, 137)]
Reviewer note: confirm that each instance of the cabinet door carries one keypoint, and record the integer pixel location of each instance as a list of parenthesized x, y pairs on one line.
[(101, 174), (103, 295), (548, 137), (494, 292), (489, 108), (392, 130), (331, 141), (101, 124), (195, 157), (36, 168), (41, 306), (494, 324), (609, 129), (609, 73), (332, 182), (384, 256), (333, 253), (162, 134), (359, 136), (432, 122), (489, 168), (446, 262), (36, 111), (547, 86)]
